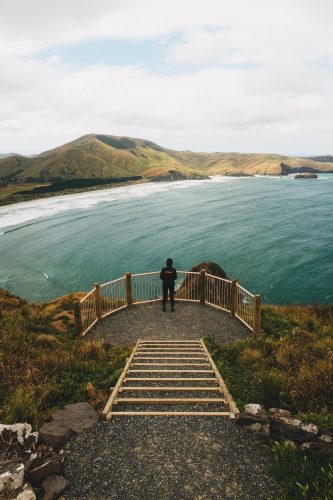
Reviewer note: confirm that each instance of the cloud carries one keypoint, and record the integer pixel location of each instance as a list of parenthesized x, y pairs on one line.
[(245, 76)]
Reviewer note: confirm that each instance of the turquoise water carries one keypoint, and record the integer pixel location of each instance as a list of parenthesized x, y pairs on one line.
[(275, 235)]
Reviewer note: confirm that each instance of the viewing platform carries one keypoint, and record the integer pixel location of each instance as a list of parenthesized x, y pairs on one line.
[(137, 300)]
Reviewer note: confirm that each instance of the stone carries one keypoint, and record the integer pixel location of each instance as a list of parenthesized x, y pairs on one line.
[(51, 467), (252, 414), (306, 175), (293, 429), (279, 412), (16, 434), (326, 434), (255, 427), (53, 486), (12, 478), (27, 493), (318, 448), (74, 417), (54, 433)]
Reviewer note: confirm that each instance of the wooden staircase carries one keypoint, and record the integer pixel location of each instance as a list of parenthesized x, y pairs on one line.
[(159, 369)]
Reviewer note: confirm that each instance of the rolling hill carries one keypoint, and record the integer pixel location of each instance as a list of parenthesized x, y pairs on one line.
[(97, 160), (105, 156)]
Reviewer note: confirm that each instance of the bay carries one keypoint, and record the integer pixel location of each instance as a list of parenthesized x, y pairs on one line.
[(275, 235)]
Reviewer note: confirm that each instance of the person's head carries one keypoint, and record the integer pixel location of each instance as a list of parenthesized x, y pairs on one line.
[(169, 262)]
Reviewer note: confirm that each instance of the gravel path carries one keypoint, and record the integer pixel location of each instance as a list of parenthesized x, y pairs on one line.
[(169, 457), (189, 321)]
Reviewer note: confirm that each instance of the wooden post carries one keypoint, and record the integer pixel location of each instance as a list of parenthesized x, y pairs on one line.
[(257, 314), (202, 286), (128, 289), (233, 298), (98, 304), (77, 317)]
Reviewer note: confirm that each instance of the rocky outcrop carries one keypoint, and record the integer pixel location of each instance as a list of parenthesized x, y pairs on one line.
[(175, 175), (306, 176), (190, 288), (281, 425)]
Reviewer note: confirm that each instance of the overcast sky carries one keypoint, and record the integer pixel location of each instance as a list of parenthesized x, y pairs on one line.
[(205, 75)]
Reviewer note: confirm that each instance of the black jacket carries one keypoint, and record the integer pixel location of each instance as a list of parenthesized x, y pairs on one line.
[(168, 275)]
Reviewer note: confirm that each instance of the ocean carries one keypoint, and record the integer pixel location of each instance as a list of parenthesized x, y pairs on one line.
[(273, 234)]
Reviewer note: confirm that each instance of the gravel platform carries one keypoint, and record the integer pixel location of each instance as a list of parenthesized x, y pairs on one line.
[(168, 458), (189, 321)]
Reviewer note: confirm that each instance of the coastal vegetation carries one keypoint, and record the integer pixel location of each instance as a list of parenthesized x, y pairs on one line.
[(289, 366), (104, 159)]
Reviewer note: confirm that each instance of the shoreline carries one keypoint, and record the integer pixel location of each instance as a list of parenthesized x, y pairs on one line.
[(16, 198)]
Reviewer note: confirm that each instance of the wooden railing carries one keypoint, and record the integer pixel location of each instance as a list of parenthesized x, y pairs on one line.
[(200, 288)]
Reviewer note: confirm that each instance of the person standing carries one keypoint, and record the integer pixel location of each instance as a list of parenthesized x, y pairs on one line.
[(168, 275)]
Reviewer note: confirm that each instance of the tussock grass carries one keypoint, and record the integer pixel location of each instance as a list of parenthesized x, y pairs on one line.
[(44, 366)]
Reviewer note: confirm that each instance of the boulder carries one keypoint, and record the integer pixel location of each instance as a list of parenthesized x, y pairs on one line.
[(51, 467), (73, 418), (27, 493), (293, 429), (53, 486), (16, 434), (54, 433), (318, 448), (279, 412), (253, 414), (11, 476)]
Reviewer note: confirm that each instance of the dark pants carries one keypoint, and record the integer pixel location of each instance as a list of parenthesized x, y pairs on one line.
[(168, 287)]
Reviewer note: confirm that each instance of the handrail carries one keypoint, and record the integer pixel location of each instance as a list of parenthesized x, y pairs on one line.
[(191, 286)]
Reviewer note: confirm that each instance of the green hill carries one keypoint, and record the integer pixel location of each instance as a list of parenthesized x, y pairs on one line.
[(100, 159)]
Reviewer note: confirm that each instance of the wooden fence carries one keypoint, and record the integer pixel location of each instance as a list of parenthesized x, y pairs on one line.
[(200, 288)]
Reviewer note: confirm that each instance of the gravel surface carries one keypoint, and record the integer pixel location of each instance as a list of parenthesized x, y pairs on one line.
[(137, 457), (168, 458), (189, 321)]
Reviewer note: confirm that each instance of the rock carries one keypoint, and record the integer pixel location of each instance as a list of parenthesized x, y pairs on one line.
[(252, 414), (16, 433), (326, 434), (51, 467), (318, 448), (255, 427), (73, 418), (279, 412), (53, 486), (55, 434), (11, 478), (293, 429), (27, 493), (306, 175), (77, 417)]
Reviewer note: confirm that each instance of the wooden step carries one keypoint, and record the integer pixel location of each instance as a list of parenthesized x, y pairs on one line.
[(170, 371), (203, 379), (172, 401), (170, 364), (170, 342), (166, 389), (201, 358), (171, 413), (168, 352)]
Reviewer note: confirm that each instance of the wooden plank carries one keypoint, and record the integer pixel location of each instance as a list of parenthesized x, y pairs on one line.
[(181, 348), (179, 359), (170, 364), (232, 405), (172, 401), (172, 413), (157, 389), (171, 371), (209, 379), (151, 346), (170, 342), (114, 393), (168, 352)]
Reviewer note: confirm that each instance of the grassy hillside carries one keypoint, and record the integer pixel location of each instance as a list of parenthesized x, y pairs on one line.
[(97, 156)]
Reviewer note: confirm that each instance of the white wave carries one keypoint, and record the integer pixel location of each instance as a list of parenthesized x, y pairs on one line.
[(19, 213), (46, 275)]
